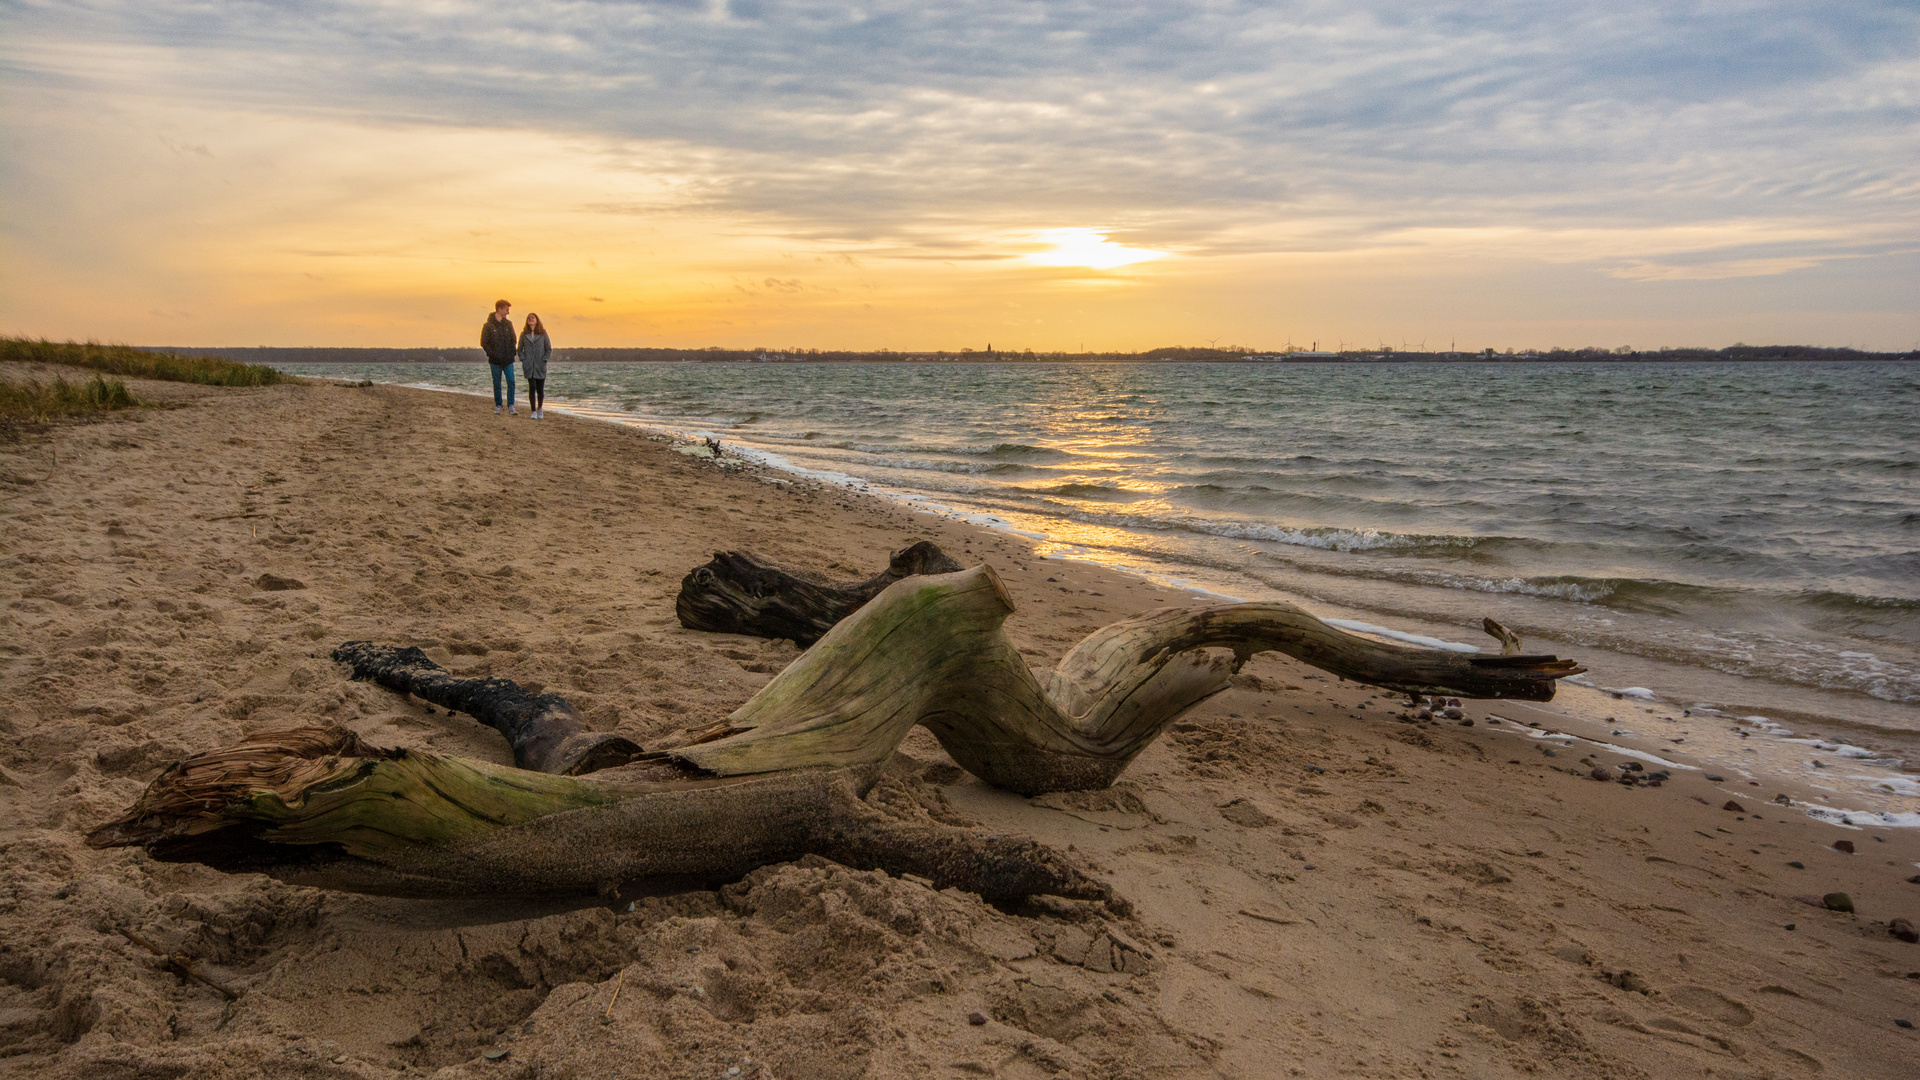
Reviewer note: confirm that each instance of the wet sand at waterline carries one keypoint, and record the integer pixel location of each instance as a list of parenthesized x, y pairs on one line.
[(1320, 888)]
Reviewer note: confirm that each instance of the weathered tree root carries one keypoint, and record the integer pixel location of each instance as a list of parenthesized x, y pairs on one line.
[(315, 806), (546, 733), (736, 593), (782, 777), (931, 651)]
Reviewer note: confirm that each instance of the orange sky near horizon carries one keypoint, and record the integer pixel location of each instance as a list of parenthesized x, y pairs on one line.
[(143, 208)]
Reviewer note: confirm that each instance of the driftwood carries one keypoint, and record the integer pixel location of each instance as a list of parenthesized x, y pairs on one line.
[(546, 734), (784, 774), (736, 593), (315, 806)]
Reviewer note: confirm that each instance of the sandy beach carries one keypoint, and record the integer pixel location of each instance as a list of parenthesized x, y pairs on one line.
[(1319, 888)]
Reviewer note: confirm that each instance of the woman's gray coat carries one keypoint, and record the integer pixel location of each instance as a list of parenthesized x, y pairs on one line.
[(534, 350)]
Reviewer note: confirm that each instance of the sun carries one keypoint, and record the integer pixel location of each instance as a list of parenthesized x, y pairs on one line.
[(1089, 248)]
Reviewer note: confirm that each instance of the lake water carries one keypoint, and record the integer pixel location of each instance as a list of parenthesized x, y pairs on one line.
[(1744, 537)]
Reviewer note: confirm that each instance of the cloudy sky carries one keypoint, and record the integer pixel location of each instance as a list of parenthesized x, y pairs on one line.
[(916, 175)]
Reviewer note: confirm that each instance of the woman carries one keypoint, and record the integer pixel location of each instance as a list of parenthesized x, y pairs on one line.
[(534, 350)]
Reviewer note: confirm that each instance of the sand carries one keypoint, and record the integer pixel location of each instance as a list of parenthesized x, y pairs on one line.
[(1320, 888)]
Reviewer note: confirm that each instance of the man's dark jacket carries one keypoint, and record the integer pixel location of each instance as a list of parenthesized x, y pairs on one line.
[(496, 340)]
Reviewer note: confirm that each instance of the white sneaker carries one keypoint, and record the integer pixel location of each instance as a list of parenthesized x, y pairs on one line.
[(511, 411), (496, 410)]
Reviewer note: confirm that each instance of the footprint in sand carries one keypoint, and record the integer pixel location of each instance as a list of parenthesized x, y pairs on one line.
[(1711, 1004)]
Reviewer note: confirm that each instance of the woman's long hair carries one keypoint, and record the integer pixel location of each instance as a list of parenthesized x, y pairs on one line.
[(534, 325)]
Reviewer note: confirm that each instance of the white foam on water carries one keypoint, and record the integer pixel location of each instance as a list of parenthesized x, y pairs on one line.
[(1862, 819), (1570, 739), (1895, 785), (1640, 693)]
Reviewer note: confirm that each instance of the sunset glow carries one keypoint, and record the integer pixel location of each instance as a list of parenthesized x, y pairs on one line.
[(1088, 248), (749, 175)]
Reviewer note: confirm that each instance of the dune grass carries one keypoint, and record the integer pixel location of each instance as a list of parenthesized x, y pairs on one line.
[(135, 363), (33, 400)]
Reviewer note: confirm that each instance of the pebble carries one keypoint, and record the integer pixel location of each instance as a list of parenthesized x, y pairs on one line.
[(1904, 930), (1914, 880), (1599, 773), (1843, 845), (1790, 926), (1732, 805), (1837, 901), (495, 1055), (1903, 1023), (1798, 865), (977, 1019), (1712, 779), (1452, 713), (1467, 722)]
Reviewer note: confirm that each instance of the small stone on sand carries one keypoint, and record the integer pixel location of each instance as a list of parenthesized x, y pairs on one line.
[(1837, 901), (1904, 930), (1843, 845)]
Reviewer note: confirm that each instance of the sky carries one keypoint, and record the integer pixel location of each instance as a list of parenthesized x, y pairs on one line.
[(1107, 175)]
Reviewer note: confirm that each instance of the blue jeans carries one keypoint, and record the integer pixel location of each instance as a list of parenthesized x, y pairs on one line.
[(502, 371)]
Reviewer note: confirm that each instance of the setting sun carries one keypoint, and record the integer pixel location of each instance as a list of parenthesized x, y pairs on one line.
[(1089, 248)]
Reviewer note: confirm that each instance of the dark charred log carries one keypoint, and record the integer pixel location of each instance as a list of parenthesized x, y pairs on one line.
[(546, 732), (737, 593)]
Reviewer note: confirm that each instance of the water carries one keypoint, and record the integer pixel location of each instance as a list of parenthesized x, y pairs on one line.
[(1744, 537)]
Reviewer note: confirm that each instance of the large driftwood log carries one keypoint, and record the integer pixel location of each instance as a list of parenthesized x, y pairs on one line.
[(315, 806), (931, 651), (784, 774), (737, 593)]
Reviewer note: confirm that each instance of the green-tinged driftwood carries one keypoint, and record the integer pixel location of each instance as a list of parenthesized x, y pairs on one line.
[(736, 593), (931, 651), (546, 733), (784, 774), (315, 806)]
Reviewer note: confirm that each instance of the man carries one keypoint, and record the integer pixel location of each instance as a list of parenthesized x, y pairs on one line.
[(497, 341)]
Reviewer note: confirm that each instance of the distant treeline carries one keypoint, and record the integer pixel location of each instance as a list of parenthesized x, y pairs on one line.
[(267, 354)]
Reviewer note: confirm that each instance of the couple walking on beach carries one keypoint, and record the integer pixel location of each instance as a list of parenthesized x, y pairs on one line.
[(531, 350)]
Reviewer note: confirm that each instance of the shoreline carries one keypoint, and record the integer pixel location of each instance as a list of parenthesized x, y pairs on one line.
[(1887, 794), (1318, 885)]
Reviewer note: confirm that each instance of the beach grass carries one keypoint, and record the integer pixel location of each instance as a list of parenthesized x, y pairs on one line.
[(33, 400), (127, 361)]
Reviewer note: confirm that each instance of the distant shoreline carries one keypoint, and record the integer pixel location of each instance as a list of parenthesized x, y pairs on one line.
[(269, 354)]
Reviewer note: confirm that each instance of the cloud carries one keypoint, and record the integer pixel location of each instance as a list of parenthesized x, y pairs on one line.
[(871, 121), (1624, 133), (1714, 271)]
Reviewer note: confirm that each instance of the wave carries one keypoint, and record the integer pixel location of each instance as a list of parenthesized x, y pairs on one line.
[(964, 468), (1102, 492)]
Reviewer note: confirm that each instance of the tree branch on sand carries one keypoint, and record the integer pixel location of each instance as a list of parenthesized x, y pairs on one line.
[(783, 776)]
